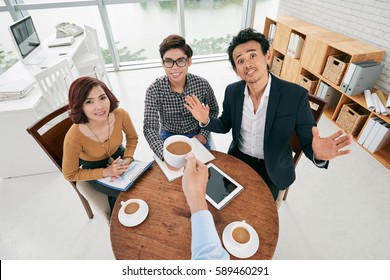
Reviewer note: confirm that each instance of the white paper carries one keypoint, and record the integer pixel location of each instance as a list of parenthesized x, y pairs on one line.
[(382, 109), (369, 101), (377, 108), (388, 102)]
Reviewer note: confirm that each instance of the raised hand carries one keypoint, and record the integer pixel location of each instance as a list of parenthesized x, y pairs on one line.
[(198, 110), (330, 147)]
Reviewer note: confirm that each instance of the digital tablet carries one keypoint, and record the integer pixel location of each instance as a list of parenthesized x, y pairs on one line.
[(221, 188)]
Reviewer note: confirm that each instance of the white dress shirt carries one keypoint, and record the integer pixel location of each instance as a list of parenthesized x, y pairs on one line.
[(205, 244), (251, 141)]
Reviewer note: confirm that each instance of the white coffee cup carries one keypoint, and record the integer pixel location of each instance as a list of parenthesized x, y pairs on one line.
[(176, 149)]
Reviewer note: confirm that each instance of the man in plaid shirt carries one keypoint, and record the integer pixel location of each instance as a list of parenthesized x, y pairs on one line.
[(164, 113)]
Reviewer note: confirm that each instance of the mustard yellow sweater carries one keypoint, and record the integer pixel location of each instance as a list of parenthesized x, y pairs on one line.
[(78, 146)]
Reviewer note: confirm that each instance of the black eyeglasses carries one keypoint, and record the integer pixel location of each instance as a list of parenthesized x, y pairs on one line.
[(180, 62)]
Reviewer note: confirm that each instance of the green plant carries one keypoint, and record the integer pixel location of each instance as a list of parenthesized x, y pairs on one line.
[(211, 45), (6, 60), (124, 54)]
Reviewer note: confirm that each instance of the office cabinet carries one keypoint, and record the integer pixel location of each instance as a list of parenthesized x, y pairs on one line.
[(321, 46)]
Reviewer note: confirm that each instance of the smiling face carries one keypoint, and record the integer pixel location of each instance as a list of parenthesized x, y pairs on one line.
[(176, 74), (97, 105), (250, 62)]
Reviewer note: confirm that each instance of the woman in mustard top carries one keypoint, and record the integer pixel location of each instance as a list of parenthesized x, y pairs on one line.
[(93, 145)]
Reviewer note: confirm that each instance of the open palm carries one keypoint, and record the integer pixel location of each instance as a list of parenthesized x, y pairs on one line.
[(330, 147), (198, 110)]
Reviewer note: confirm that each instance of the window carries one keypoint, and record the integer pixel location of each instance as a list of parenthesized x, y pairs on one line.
[(8, 52), (139, 28), (210, 25)]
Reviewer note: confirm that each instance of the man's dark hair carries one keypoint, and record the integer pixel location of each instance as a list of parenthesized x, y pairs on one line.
[(175, 42), (244, 36)]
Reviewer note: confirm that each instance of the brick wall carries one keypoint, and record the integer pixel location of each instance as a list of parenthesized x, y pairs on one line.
[(365, 20)]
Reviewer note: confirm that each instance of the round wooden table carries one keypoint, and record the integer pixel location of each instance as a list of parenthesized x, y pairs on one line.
[(166, 232)]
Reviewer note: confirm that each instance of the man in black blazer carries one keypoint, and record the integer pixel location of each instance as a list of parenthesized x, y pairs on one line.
[(263, 111)]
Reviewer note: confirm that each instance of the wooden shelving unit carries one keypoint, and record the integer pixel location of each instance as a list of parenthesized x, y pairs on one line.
[(319, 44)]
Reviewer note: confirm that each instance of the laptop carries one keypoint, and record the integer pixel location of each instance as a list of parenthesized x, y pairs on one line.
[(27, 42)]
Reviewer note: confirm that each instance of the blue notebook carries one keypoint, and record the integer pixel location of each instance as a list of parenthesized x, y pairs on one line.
[(127, 179)]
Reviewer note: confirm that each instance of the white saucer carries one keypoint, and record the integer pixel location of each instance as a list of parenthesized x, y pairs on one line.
[(240, 250), (132, 222)]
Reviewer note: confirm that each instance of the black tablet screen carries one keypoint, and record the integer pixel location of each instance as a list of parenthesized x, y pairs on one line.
[(218, 187)]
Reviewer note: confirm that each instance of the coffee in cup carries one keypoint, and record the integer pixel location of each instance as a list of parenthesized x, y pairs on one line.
[(131, 208), (175, 150), (179, 148), (241, 235)]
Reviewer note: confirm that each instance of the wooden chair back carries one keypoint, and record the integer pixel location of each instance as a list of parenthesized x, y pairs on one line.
[(49, 132)]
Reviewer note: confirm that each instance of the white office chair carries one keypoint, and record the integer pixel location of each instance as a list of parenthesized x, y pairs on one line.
[(54, 83), (91, 63), (96, 199)]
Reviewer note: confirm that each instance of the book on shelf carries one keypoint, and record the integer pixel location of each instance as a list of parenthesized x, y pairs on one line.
[(381, 138), (366, 130), (364, 77), (351, 69), (320, 90), (295, 46), (200, 152), (128, 178), (329, 94), (373, 132), (271, 32), (290, 44)]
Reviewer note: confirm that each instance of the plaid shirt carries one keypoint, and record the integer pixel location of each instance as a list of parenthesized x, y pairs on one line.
[(164, 106)]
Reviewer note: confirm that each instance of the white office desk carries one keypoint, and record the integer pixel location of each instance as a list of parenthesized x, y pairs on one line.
[(20, 154)]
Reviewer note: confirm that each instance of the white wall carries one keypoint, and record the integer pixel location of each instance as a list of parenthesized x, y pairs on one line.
[(365, 20)]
